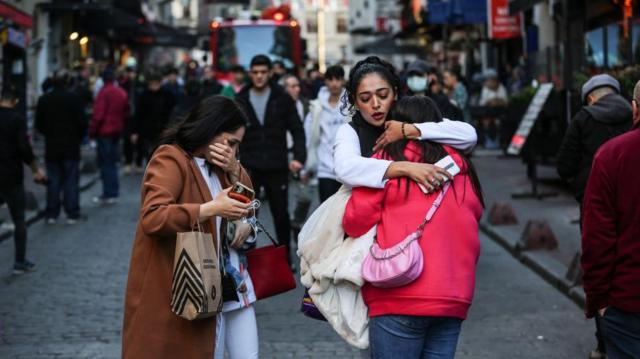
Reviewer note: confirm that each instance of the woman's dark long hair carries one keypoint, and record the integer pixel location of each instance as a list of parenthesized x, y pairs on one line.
[(210, 117), (371, 65), (419, 109)]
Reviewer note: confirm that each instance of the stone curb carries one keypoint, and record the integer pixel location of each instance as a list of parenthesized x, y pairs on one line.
[(35, 217), (547, 269)]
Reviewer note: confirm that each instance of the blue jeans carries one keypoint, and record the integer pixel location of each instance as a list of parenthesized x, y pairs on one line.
[(621, 332), (403, 336), (64, 177), (108, 163)]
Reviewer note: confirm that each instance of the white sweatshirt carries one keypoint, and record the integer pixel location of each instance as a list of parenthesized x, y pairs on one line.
[(356, 171), (321, 133)]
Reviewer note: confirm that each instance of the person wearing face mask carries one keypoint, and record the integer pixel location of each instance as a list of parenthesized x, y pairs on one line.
[(423, 79)]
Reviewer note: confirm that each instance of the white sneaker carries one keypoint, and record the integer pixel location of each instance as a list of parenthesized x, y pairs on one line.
[(105, 201), (50, 221), (127, 169)]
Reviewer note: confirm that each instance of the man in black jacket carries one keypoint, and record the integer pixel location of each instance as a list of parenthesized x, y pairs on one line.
[(154, 107), (263, 151), (14, 151), (606, 115), (60, 118)]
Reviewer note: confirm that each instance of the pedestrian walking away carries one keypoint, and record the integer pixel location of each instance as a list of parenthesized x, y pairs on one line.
[(611, 241), (61, 120), (15, 150), (271, 113), (110, 111), (186, 186)]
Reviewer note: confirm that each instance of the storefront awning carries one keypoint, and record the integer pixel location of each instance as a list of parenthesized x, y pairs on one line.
[(457, 12), (18, 17), (113, 23), (516, 6)]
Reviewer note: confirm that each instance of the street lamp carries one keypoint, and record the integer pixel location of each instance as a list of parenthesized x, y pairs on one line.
[(73, 36), (84, 40)]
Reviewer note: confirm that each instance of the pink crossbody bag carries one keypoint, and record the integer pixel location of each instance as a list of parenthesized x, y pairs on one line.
[(403, 263)]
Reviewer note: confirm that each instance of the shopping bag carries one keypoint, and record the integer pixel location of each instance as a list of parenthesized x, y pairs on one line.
[(196, 291)]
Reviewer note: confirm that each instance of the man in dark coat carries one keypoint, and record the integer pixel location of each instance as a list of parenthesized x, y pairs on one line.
[(210, 85), (61, 120), (15, 150), (606, 115), (155, 107), (263, 151)]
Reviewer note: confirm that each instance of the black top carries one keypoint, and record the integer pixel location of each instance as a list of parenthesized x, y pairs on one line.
[(264, 147), (60, 118), (590, 128), (153, 114), (14, 147)]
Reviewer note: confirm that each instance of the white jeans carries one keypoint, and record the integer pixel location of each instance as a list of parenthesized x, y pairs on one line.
[(237, 332)]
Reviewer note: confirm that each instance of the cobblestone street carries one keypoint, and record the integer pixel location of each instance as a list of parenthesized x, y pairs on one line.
[(71, 307)]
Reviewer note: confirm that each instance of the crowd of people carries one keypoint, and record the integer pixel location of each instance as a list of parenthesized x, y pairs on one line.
[(375, 131)]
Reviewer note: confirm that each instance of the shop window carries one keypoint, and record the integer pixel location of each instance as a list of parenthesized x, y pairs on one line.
[(594, 48), (635, 37), (341, 25), (616, 46), (312, 25)]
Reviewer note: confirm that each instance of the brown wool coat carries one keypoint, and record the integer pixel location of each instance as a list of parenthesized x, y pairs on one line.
[(172, 190)]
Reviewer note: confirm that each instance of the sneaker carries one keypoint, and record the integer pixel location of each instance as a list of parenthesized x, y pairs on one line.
[(50, 221), (23, 267), (597, 354), (72, 221), (127, 169), (105, 200), (139, 170)]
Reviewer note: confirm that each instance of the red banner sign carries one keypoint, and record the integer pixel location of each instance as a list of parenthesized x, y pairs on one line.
[(501, 25)]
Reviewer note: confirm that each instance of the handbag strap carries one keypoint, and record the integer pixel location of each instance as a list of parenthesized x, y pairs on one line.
[(434, 207)]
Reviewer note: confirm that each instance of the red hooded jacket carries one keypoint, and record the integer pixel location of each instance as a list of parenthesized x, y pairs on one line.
[(450, 242), (110, 111)]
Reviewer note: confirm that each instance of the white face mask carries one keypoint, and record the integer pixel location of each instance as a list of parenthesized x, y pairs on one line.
[(417, 83)]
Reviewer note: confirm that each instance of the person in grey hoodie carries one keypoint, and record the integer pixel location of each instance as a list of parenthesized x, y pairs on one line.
[(606, 115), (321, 125)]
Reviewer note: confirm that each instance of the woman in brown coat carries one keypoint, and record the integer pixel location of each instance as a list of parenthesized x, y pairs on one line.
[(175, 196)]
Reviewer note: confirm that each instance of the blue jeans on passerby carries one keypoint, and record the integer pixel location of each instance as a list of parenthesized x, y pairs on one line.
[(64, 178), (621, 332), (108, 156), (404, 336)]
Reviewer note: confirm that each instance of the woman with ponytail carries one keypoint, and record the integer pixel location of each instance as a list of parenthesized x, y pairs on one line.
[(372, 90), (186, 186)]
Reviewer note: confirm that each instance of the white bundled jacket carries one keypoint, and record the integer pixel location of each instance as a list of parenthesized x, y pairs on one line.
[(330, 268)]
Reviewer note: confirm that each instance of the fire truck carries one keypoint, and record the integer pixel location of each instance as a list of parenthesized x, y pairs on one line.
[(235, 42)]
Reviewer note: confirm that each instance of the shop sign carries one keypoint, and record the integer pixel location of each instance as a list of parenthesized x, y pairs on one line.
[(13, 37), (501, 25), (529, 120)]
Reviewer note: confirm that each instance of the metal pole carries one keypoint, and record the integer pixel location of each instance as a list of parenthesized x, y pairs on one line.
[(322, 55), (568, 61)]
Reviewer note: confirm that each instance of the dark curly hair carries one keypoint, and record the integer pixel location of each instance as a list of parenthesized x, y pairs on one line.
[(370, 65)]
